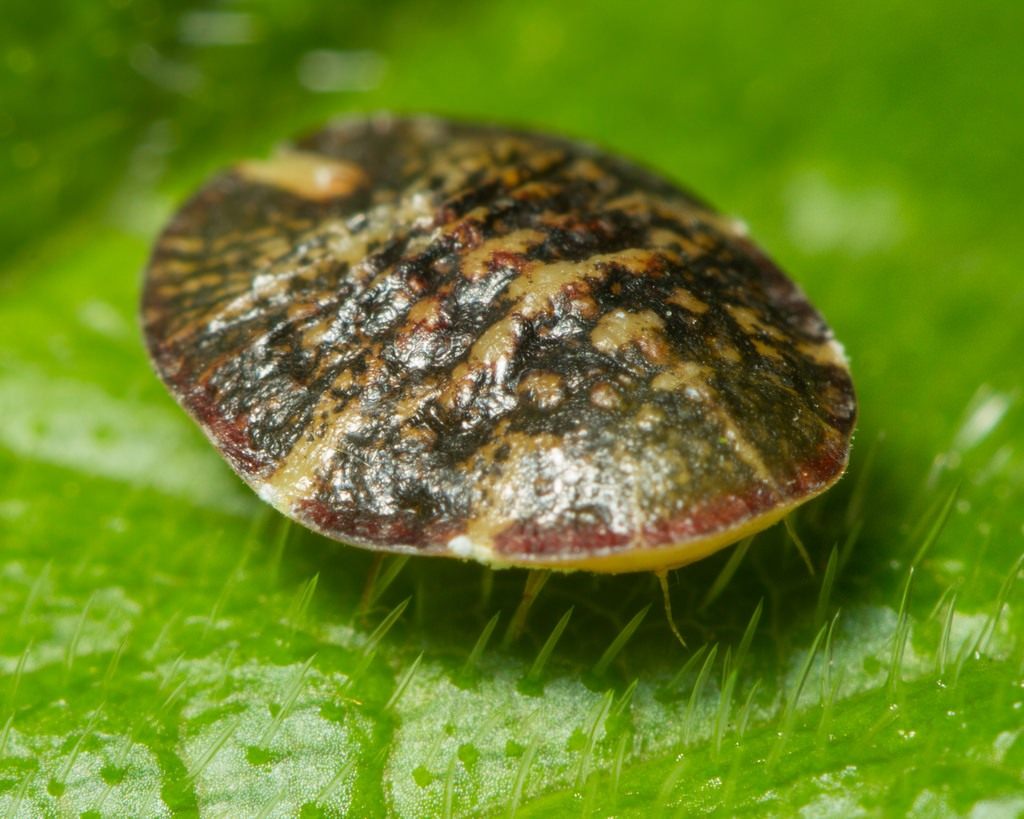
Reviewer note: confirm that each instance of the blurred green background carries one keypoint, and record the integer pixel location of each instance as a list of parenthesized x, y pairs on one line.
[(168, 645)]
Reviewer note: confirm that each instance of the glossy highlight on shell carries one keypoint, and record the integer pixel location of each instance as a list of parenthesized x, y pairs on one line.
[(433, 337)]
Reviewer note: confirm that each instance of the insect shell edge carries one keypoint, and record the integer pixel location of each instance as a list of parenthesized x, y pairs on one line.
[(431, 337)]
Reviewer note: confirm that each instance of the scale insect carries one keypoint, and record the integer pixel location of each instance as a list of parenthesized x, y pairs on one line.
[(440, 338)]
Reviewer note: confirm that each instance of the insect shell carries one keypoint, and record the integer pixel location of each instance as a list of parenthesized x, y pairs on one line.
[(439, 338)]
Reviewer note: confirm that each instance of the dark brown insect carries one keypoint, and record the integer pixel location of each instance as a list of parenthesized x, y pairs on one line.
[(422, 336)]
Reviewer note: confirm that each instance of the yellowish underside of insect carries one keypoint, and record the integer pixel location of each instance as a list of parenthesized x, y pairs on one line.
[(638, 559)]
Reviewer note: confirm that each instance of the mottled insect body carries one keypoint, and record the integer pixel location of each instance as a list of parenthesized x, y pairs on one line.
[(439, 338)]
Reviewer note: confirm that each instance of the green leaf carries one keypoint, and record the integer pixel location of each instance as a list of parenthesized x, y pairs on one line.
[(170, 645)]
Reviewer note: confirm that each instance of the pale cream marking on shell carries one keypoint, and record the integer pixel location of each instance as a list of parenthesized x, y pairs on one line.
[(312, 454), (422, 435), (267, 493), (685, 212), (475, 264), (536, 159), (725, 349), (537, 288), (683, 375), (190, 245), (684, 298), (635, 202), (425, 313), (545, 389), (604, 395), (585, 168), (766, 350), (751, 323), (729, 225), (535, 189), (313, 332), (309, 175), (492, 351), (268, 250), (197, 281), (663, 239), (620, 328), (649, 416), (830, 353), (221, 243), (344, 380), (419, 243), (471, 220), (260, 233), (177, 266), (410, 404), (497, 344), (745, 450)]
